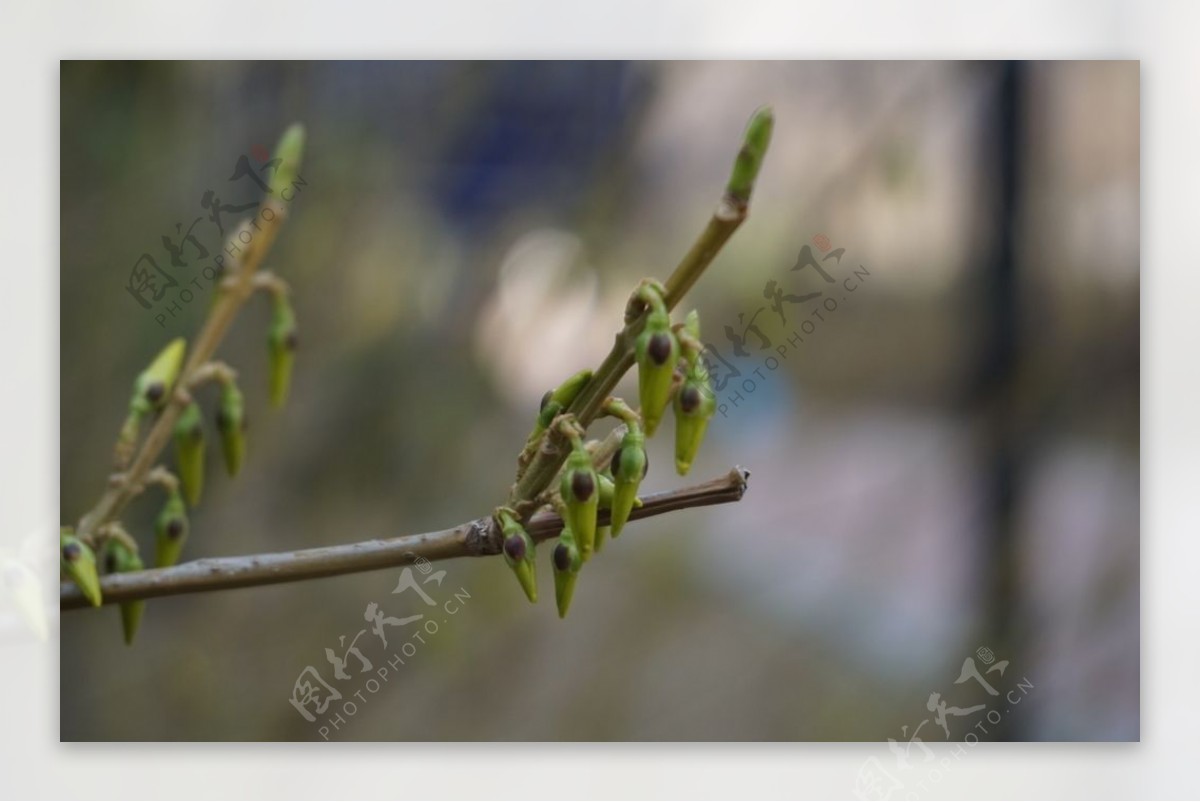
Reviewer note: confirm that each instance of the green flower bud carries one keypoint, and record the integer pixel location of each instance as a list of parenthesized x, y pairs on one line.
[(553, 402), (694, 406), (289, 151), (567, 561), (519, 553), (189, 452), (231, 422), (629, 466), (750, 157), (79, 563), (606, 498), (557, 400), (170, 531), (150, 391), (152, 386), (606, 490), (580, 491), (657, 351), (602, 532), (119, 558), (281, 344)]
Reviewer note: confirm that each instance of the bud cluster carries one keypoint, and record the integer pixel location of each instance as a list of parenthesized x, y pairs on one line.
[(670, 375), (154, 389)]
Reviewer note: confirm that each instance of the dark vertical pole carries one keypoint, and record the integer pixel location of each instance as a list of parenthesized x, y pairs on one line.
[(995, 385)]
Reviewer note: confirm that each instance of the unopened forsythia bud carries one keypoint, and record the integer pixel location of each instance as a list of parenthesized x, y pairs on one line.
[(606, 498), (119, 558), (567, 562), (281, 345), (170, 531), (152, 385), (150, 390), (629, 466), (657, 352), (231, 422), (519, 553), (750, 157), (557, 400), (79, 563), (694, 406), (289, 151), (580, 491), (189, 452)]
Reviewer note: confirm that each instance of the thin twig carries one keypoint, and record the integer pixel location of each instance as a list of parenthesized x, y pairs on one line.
[(476, 538), (253, 240), (730, 214)]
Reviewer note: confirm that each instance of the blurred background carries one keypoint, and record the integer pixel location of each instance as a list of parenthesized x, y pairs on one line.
[(944, 443)]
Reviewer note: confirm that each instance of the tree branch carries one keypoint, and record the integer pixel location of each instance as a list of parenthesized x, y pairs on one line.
[(233, 292), (731, 212), (477, 538)]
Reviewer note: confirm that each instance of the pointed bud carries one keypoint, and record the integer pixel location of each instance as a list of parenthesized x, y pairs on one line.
[(559, 399), (602, 532), (750, 157), (289, 151), (281, 345), (153, 385), (694, 406), (79, 563), (580, 492), (607, 488), (170, 531), (231, 423), (567, 561), (119, 559), (518, 549), (629, 467), (606, 491), (189, 452), (657, 352)]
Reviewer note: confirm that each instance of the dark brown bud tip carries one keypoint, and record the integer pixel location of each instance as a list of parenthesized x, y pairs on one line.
[(154, 392), (562, 557), (659, 347), (72, 552), (174, 528), (514, 547), (583, 485), (689, 398), (545, 400)]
